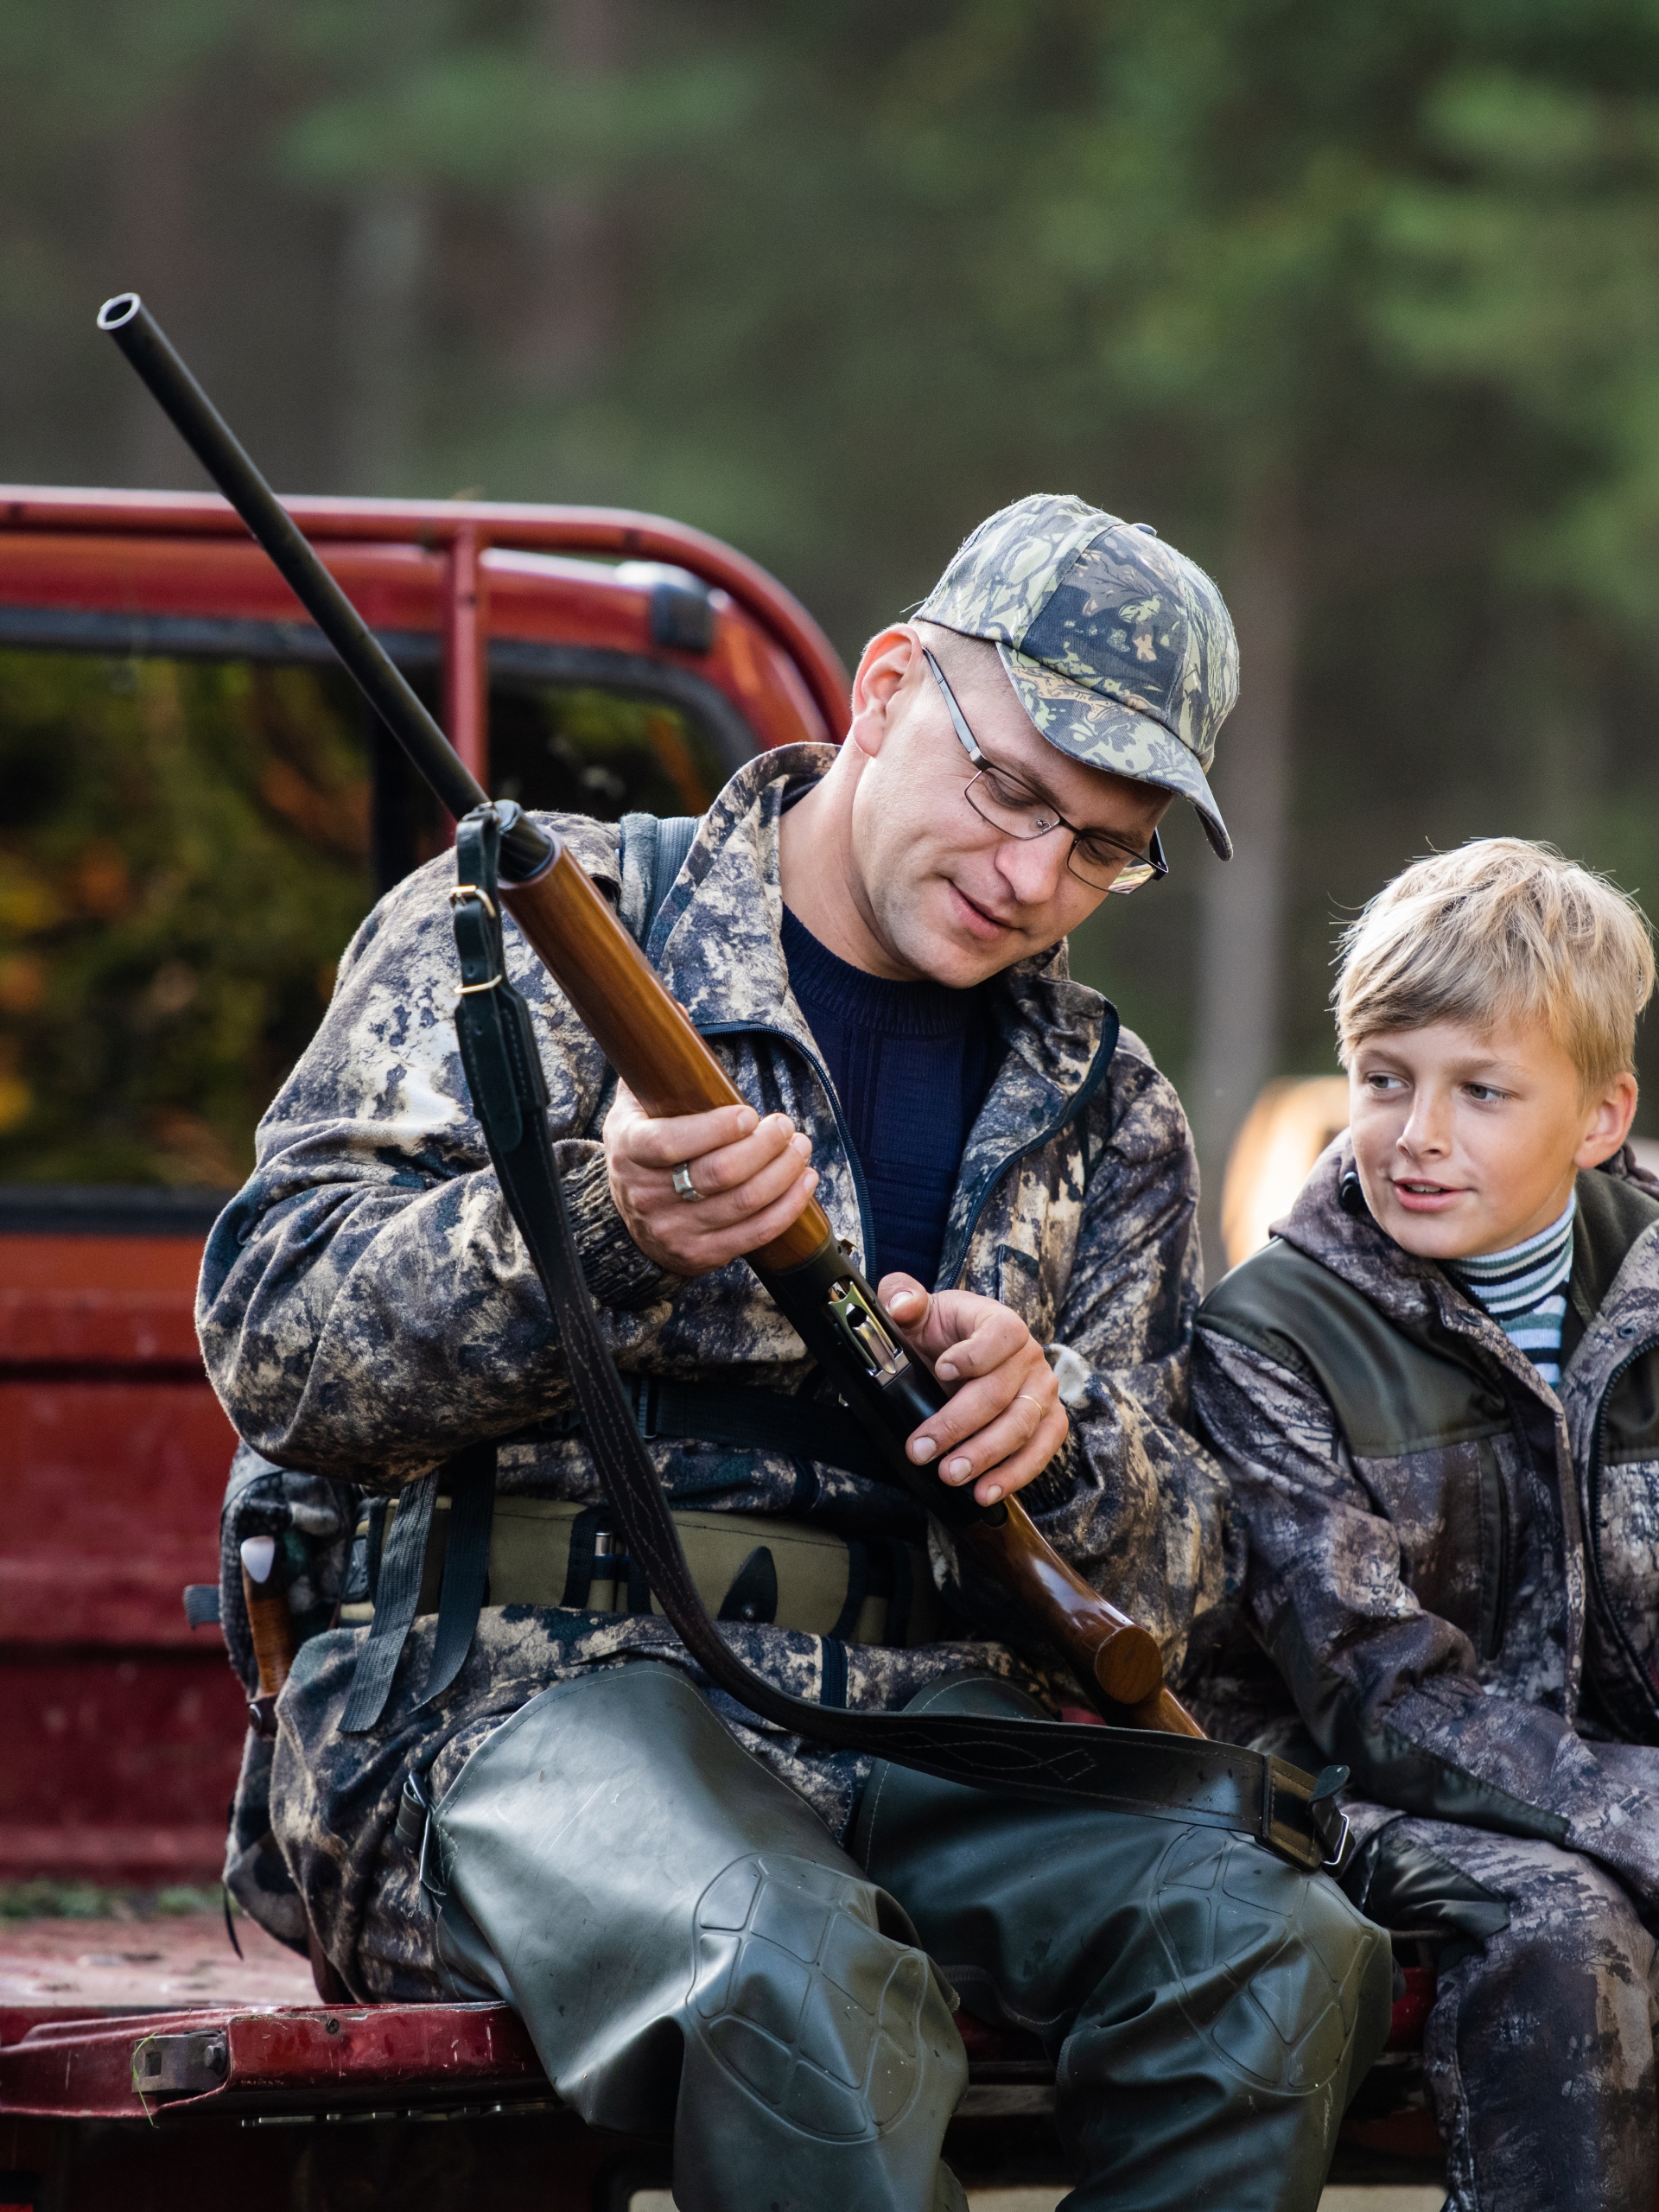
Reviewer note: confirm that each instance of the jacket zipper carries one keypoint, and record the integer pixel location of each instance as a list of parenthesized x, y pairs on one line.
[(866, 1220), (1505, 1563), (1592, 1500), (1074, 1105)]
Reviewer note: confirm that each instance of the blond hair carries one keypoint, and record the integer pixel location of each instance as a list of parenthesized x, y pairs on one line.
[(1501, 930)]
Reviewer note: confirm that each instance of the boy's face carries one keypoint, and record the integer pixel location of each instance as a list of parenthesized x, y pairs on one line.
[(1468, 1142)]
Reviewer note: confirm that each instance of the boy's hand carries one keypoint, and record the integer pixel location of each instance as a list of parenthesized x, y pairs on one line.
[(1005, 1421), (753, 1177)]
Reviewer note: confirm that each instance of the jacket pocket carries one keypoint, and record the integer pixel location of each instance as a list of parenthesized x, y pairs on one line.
[(1450, 1511)]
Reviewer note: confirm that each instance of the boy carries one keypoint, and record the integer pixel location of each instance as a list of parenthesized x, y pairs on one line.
[(1437, 1392)]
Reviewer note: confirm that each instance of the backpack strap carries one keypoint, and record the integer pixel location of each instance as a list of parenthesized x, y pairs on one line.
[(650, 854)]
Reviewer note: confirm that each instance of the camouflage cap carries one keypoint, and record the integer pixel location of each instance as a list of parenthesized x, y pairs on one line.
[(1118, 648)]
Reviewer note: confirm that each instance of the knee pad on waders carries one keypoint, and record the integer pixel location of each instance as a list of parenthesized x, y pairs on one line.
[(810, 2028), (799, 1995), (1274, 1967)]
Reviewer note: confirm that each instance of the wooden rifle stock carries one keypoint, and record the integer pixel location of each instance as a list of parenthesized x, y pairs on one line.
[(650, 1041), (653, 1047)]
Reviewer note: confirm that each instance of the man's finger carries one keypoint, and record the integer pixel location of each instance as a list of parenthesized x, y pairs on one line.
[(905, 1299), (724, 1208), (1008, 1452), (997, 1337), (1004, 1477), (940, 1327), (677, 1137), (972, 1410), (981, 1401), (1010, 1432), (727, 1171), (696, 1250)]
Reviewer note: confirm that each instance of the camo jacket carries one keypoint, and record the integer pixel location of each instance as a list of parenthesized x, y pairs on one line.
[(1469, 1618), (368, 1307)]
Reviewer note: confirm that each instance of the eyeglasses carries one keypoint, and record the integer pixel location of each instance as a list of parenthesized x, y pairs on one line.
[(1103, 861)]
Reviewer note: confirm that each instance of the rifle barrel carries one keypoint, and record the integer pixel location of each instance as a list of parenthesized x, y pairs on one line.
[(203, 429)]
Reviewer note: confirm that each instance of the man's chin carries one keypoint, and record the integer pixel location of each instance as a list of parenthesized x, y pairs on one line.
[(954, 968), (944, 938), (934, 951)]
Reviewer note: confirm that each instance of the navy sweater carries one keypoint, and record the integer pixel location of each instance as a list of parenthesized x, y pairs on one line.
[(911, 1064)]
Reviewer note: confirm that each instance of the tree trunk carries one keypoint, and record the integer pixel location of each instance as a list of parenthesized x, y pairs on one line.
[(382, 266), (1241, 926), (153, 228), (568, 228)]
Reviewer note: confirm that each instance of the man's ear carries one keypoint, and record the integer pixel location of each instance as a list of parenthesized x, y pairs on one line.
[(1610, 1122), (883, 666)]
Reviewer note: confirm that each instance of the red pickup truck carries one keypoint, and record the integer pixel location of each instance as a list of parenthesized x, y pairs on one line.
[(580, 657)]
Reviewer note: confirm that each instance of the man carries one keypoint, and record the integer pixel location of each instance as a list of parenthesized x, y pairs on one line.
[(707, 1924)]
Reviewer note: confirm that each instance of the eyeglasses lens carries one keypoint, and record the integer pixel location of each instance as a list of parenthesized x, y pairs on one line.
[(1017, 814)]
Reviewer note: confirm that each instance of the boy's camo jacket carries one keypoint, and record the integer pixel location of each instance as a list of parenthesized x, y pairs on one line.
[(368, 1307), (1366, 1606)]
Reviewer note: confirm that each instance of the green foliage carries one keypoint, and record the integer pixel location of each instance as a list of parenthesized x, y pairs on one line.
[(49, 1900), (483, 119), (1533, 271), (181, 860)]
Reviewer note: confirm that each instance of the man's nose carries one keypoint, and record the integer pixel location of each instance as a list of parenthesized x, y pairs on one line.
[(1034, 868)]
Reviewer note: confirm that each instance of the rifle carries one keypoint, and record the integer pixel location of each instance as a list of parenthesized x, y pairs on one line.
[(650, 1041)]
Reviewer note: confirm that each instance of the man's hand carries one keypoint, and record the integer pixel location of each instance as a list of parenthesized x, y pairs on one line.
[(1005, 1421), (753, 1177)]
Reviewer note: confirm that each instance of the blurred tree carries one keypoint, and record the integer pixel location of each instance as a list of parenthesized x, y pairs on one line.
[(1190, 215), (1530, 271), (183, 853)]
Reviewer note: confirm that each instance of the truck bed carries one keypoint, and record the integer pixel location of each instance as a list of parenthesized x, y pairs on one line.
[(64, 1967)]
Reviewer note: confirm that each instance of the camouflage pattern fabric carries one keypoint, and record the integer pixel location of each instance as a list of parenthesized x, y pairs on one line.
[(1118, 648), (1539, 2051), (1360, 1602), (367, 1305)]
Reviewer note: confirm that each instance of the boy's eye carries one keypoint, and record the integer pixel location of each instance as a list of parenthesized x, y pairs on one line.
[(1482, 1093), (1381, 1082)]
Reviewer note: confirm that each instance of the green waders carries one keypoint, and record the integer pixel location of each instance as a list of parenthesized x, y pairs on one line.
[(688, 1947)]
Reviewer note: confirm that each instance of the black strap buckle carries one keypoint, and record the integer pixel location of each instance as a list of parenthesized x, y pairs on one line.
[(1299, 1817)]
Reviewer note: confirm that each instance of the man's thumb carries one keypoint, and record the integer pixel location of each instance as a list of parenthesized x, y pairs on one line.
[(904, 1298)]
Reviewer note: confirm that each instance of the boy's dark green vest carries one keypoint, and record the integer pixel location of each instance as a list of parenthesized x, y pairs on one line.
[(1395, 1388)]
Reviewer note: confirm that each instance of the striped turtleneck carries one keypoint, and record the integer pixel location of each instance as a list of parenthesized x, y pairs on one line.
[(1524, 1290)]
